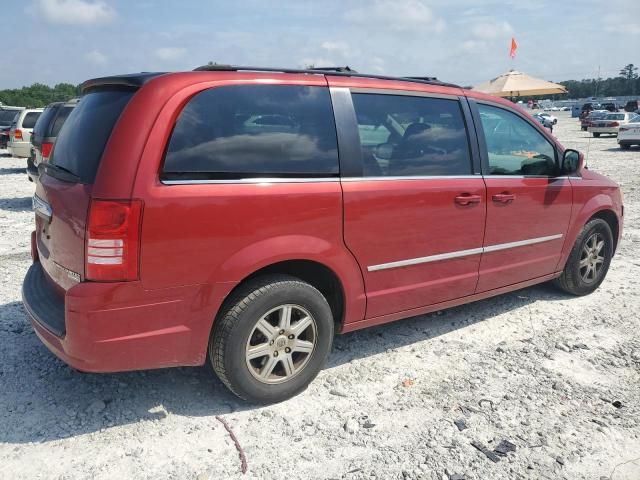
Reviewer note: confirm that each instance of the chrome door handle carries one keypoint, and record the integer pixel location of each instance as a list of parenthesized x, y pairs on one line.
[(467, 199), (504, 197)]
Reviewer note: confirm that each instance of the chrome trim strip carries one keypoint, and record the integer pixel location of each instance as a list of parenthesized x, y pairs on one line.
[(423, 177), (430, 258), (252, 181), (462, 253), (41, 208), (520, 243)]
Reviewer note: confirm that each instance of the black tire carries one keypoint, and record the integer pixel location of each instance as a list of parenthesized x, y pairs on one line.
[(237, 321), (584, 129), (596, 135), (571, 280), (625, 146)]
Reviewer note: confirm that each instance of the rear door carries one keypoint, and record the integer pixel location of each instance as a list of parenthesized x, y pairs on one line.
[(414, 211), (528, 204), (64, 191)]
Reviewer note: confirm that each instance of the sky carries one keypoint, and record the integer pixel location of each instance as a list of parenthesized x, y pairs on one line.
[(461, 41)]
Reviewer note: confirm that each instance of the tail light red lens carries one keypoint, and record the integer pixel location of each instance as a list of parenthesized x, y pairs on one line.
[(17, 134), (614, 124), (45, 149), (113, 240)]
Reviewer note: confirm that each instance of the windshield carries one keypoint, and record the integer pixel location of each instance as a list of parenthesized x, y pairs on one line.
[(85, 132)]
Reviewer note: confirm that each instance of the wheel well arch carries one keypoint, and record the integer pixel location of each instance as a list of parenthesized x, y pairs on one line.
[(611, 218), (314, 273)]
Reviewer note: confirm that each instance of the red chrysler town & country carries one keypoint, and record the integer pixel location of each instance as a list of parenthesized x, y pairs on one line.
[(245, 215)]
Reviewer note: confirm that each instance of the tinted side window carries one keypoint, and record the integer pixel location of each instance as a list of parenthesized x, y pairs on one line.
[(411, 136), (41, 126), (254, 131), (30, 119), (514, 146)]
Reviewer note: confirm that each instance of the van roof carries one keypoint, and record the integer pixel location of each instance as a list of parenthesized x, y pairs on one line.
[(137, 80)]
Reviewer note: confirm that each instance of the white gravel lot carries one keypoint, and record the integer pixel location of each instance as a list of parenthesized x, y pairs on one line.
[(540, 369)]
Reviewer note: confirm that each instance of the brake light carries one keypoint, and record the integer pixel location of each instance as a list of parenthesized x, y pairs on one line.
[(45, 149), (614, 124), (17, 134), (113, 240)]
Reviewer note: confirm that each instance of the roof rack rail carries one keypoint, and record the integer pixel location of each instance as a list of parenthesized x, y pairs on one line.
[(333, 69), (337, 71)]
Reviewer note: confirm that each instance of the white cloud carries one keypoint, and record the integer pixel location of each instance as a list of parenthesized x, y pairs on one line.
[(74, 12), (398, 15), (491, 30), (96, 57), (337, 47), (170, 53)]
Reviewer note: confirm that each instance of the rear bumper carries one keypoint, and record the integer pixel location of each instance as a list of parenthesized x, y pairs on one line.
[(611, 130), (19, 149), (113, 327)]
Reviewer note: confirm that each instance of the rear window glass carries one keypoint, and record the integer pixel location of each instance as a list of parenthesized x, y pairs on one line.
[(30, 119), (615, 116), (41, 126), (82, 139), (254, 131), (7, 117), (63, 113)]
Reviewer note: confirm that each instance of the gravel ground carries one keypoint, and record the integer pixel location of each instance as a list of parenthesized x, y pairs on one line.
[(554, 375)]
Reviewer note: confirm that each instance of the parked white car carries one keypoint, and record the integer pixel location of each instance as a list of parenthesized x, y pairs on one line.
[(610, 124), (629, 134), (20, 134), (550, 117)]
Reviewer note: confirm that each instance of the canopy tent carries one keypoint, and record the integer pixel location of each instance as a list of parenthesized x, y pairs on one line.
[(518, 84)]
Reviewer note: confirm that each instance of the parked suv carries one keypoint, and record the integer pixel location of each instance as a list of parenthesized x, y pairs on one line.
[(45, 132), (246, 215), (20, 132), (7, 116)]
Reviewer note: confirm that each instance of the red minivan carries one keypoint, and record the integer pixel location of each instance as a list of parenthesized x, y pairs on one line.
[(245, 215)]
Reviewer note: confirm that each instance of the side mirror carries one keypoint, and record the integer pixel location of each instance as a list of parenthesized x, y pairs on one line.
[(572, 162)]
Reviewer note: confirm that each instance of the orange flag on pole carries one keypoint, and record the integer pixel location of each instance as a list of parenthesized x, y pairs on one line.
[(514, 47)]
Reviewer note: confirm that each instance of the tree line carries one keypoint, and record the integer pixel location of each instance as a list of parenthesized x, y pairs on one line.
[(39, 95), (626, 83)]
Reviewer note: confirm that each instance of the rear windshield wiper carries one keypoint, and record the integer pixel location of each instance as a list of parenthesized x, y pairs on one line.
[(59, 172)]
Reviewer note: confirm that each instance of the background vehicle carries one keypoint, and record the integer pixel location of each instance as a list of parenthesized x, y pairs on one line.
[(610, 107), (632, 106), (20, 133), (629, 134), (550, 117), (7, 116), (610, 123), (338, 180), (585, 122), (545, 121), (45, 132)]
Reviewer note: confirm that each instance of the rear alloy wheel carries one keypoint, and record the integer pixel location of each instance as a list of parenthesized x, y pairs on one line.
[(589, 260), (272, 338)]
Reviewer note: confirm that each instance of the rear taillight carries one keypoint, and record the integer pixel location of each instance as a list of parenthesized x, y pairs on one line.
[(113, 240), (45, 149), (614, 124), (17, 134)]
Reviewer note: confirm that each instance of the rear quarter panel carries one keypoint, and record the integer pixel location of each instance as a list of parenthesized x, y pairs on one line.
[(219, 234)]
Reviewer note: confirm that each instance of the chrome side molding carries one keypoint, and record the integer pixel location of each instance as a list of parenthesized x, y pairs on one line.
[(463, 253)]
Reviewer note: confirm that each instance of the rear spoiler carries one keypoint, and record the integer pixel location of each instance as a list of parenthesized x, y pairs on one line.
[(132, 80)]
